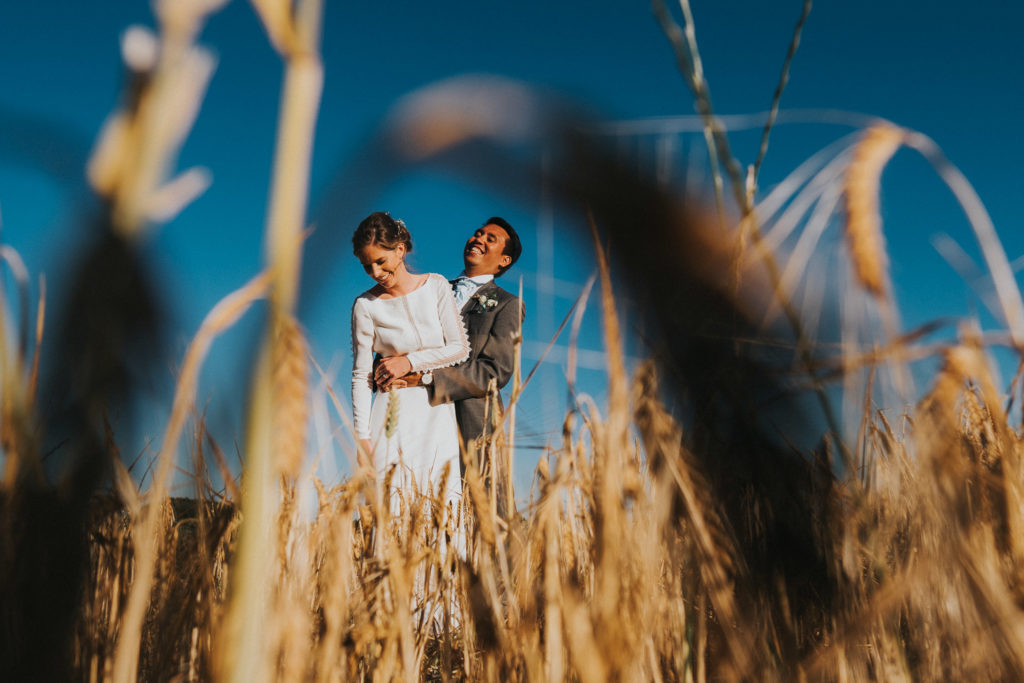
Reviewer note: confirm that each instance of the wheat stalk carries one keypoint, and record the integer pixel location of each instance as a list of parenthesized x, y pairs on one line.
[(863, 222), (147, 519), (246, 652), (17, 378), (138, 146), (291, 391)]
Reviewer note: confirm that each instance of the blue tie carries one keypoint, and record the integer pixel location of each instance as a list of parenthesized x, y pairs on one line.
[(463, 287)]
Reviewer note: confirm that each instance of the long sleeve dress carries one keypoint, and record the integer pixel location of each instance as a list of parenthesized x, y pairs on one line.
[(426, 327)]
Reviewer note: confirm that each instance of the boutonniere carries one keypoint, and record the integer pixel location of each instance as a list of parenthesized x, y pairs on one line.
[(484, 303)]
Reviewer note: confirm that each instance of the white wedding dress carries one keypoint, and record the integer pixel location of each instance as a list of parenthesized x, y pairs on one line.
[(426, 327)]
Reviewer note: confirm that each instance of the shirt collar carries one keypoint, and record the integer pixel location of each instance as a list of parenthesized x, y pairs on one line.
[(477, 279)]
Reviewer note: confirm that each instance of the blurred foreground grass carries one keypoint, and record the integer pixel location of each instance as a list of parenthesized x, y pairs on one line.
[(691, 544)]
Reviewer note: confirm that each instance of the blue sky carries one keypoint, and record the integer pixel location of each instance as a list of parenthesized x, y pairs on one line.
[(948, 70)]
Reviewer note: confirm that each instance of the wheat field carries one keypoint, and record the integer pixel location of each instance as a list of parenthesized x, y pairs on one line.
[(671, 534)]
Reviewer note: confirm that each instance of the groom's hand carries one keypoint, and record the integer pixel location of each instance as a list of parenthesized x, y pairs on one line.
[(373, 375), (410, 380)]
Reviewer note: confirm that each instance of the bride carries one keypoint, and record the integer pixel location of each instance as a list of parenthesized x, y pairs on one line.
[(410, 320)]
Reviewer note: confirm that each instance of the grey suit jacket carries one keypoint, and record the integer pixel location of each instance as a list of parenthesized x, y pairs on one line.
[(491, 332)]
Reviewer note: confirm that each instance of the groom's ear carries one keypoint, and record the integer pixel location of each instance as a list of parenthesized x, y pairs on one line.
[(505, 261)]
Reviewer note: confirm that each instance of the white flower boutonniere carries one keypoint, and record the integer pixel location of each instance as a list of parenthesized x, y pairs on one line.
[(484, 303)]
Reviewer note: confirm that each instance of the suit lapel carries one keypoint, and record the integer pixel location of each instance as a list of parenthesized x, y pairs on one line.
[(478, 322), (472, 302)]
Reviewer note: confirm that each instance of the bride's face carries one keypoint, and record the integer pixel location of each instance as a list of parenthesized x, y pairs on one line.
[(383, 265)]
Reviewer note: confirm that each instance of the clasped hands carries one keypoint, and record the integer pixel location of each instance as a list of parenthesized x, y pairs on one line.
[(393, 372)]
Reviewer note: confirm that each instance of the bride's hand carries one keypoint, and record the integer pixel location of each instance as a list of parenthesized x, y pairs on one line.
[(391, 368)]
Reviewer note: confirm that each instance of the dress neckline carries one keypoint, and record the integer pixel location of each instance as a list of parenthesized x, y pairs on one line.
[(402, 296)]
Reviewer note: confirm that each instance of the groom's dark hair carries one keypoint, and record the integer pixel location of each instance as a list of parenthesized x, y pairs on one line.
[(513, 247)]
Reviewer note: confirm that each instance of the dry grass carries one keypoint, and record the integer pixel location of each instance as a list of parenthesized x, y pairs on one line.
[(636, 576), (666, 545)]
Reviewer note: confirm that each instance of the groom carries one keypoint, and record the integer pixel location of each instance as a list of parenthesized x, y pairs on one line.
[(492, 316)]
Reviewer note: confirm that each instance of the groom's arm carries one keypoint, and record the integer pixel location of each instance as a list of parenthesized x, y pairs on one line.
[(494, 361)]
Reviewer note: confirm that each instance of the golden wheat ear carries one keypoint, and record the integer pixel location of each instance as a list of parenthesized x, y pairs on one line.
[(291, 383), (863, 221)]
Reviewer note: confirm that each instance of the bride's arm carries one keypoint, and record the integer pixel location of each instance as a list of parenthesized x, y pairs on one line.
[(493, 359), (362, 363), (456, 342)]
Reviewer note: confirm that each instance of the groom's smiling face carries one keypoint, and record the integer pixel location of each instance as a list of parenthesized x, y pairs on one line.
[(485, 251)]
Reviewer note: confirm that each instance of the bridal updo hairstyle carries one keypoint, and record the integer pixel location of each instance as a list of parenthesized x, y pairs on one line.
[(381, 229)]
